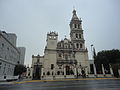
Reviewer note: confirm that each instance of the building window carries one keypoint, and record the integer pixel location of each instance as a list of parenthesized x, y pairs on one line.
[(52, 73), (48, 73), (79, 35), (8, 48), (58, 72), (38, 60), (77, 45), (75, 26), (52, 66), (76, 35), (59, 54), (78, 26), (80, 45), (2, 44)]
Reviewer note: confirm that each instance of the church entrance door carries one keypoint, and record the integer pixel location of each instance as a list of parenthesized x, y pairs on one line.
[(67, 70)]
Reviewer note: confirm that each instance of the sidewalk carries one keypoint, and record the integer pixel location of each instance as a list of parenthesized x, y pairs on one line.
[(30, 80), (3, 82)]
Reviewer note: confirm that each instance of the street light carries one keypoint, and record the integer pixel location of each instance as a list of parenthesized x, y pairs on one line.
[(92, 51)]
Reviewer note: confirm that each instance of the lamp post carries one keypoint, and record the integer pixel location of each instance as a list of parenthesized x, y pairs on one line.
[(92, 51)]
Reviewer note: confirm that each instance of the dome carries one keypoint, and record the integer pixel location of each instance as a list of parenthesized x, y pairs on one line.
[(66, 43)]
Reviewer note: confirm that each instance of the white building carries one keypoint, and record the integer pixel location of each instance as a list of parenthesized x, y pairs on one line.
[(9, 53), (67, 58)]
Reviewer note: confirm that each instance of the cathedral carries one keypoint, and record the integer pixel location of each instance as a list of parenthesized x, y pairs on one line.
[(67, 58)]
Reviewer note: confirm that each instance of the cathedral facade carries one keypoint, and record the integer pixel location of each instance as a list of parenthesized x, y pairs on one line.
[(67, 58)]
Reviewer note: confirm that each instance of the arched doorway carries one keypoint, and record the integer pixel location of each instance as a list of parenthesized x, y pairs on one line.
[(67, 70), (37, 72), (83, 73)]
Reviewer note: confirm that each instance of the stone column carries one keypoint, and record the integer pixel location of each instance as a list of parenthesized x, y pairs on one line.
[(75, 71), (41, 71), (80, 71), (95, 73), (27, 71), (86, 72), (31, 71), (111, 71), (64, 71), (103, 70)]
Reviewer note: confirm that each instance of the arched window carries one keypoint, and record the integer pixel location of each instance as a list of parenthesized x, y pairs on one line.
[(77, 45), (60, 55), (79, 35), (52, 66), (52, 73), (38, 60), (2, 44), (43, 73), (62, 73), (48, 73), (75, 26), (80, 45), (76, 35), (58, 72), (78, 26)]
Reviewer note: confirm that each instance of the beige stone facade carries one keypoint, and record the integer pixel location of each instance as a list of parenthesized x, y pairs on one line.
[(67, 58)]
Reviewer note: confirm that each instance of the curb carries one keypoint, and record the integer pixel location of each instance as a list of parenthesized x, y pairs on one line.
[(28, 81)]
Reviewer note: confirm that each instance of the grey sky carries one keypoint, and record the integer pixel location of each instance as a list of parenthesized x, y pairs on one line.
[(32, 19)]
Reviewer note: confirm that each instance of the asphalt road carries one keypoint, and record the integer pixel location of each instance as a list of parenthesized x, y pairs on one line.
[(109, 84)]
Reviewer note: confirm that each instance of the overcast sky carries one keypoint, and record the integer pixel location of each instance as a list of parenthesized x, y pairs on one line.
[(32, 19)]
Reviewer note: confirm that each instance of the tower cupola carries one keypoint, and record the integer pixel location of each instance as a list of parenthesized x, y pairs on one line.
[(76, 32), (74, 17), (75, 22)]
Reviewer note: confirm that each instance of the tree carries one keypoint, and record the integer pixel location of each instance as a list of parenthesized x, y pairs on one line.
[(107, 57), (19, 69)]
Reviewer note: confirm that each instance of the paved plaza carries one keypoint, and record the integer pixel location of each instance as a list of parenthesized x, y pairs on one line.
[(69, 84)]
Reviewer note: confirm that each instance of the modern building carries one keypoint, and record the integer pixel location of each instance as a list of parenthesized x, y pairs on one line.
[(10, 55), (22, 54), (67, 58)]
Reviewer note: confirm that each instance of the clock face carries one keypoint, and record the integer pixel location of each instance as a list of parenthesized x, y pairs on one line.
[(54, 37), (50, 37)]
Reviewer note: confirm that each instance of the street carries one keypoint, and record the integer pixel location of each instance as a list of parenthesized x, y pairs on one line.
[(101, 84)]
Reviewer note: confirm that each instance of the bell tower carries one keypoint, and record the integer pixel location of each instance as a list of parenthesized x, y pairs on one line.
[(76, 32), (52, 38)]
